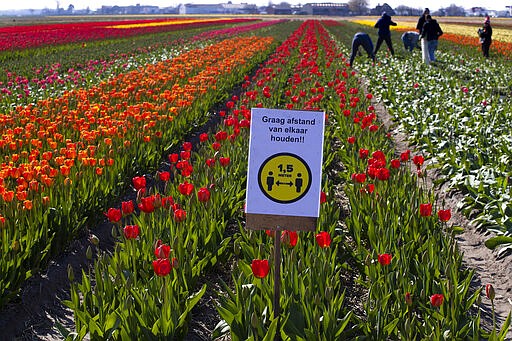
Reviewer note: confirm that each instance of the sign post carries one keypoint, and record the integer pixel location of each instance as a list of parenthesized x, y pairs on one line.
[(284, 176)]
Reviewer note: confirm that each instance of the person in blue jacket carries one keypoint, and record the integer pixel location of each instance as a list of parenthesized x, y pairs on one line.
[(384, 32), (364, 40), (410, 40)]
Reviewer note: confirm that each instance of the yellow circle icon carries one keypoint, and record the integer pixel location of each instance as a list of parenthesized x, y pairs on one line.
[(284, 178)]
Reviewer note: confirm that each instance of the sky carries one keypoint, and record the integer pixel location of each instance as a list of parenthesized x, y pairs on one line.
[(94, 4)]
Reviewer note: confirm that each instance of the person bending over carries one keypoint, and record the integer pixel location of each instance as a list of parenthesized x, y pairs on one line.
[(410, 40), (364, 40)]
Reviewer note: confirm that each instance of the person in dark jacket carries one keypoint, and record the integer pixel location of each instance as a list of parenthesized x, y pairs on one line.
[(384, 32), (410, 40), (364, 40), (431, 31), (485, 34), (422, 19)]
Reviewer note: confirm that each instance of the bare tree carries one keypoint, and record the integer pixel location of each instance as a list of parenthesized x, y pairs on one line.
[(358, 7), (454, 11), (406, 10)]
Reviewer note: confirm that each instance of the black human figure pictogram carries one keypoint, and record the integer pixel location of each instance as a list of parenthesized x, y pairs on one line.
[(270, 181), (298, 182)]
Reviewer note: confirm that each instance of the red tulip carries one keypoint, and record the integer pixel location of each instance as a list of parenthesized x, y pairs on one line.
[(114, 215), (216, 145), (221, 135), (426, 210), (437, 300), (186, 169), (186, 188), (444, 215), (185, 154), (203, 195), (489, 292), (323, 197), (260, 268), (384, 259), (131, 231), (187, 146), (404, 157), (370, 188), (224, 161), (162, 266), (147, 204), (351, 139), (210, 162), (167, 201), (162, 250), (363, 153), (164, 176), (359, 177), (395, 163), (203, 137), (383, 174), (180, 215), (373, 128), (173, 158), (418, 160), (323, 239), (289, 238), (139, 182), (127, 207)]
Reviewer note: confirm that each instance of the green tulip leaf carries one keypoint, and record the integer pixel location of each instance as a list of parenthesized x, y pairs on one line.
[(493, 242)]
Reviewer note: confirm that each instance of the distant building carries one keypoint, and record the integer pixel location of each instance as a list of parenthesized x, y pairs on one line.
[(326, 8), (137, 9), (201, 9), (170, 10), (477, 12), (242, 8), (283, 8), (378, 10)]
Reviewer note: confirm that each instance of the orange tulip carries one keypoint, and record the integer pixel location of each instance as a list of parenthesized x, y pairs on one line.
[(27, 204)]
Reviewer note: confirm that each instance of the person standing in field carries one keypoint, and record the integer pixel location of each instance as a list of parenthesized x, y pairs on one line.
[(410, 40), (384, 33), (485, 34), (422, 19), (431, 31), (364, 40)]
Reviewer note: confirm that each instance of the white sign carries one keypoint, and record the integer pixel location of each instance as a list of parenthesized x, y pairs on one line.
[(285, 162)]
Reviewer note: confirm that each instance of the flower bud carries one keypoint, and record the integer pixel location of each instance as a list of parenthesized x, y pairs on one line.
[(128, 302), (71, 273), (489, 292), (254, 320), (328, 293), (408, 298), (317, 300), (114, 232), (94, 240), (174, 263), (88, 253), (15, 245)]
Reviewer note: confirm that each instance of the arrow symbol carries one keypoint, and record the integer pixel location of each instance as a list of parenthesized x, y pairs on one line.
[(284, 183)]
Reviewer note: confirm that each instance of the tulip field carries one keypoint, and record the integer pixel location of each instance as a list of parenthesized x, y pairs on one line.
[(145, 124)]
